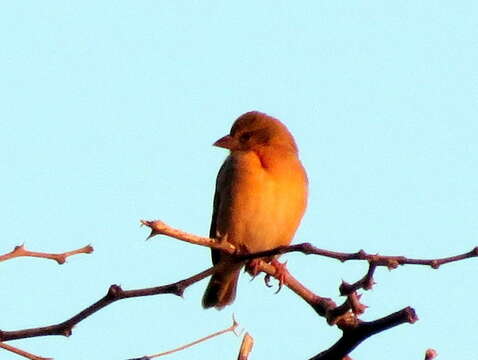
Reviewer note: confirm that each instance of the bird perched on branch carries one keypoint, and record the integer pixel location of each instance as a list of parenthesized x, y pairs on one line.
[(260, 198)]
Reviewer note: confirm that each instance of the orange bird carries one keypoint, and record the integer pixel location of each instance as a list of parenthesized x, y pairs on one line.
[(260, 198)]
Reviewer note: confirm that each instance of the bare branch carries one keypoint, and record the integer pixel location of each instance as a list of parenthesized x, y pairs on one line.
[(115, 293), (353, 336), (390, 262), (23, 353), (365, 283), (344, 316), (322, 306), (20, 250), (160, 228)]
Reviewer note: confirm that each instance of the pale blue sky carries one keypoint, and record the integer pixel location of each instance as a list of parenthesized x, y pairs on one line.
[(109, 110)]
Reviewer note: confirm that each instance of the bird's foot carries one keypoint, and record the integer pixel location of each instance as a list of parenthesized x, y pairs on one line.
[(280, 274), (253, 267)]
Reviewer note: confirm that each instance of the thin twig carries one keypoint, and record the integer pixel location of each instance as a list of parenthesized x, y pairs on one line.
[(21, 352), (60, 258), (160, 228)]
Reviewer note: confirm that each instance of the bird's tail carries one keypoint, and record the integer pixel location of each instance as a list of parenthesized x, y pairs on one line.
[(221, 290)]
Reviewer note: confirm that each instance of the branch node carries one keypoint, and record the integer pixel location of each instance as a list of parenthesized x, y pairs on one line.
[(362, 255), (114, 292), (308, 248), (61, 259), (392, 264), (347, 321), (179, 290)]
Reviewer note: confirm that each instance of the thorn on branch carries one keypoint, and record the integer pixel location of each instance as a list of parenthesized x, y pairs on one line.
[(345, 288), (157, 227), (355, 305)]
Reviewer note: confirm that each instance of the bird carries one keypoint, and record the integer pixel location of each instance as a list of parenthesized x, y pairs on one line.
[(260, 198)]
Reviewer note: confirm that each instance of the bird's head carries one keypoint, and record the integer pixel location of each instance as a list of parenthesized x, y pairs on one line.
[(255, 130)]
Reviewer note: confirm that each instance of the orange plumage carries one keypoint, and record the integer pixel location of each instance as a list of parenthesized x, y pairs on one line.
[(260, 198)]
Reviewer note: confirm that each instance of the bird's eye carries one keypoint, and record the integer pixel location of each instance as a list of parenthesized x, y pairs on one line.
[(245, 137)]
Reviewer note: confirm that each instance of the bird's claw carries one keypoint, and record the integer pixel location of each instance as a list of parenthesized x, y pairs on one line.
[(280, 274)]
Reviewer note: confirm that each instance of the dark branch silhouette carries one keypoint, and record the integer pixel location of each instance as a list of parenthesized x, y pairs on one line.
[(344, 316), (353, 336)]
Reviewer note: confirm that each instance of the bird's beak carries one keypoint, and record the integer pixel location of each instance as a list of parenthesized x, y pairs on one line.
[(226, 142)]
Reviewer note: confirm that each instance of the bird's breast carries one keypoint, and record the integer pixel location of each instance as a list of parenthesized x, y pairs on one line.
[(266, 203)]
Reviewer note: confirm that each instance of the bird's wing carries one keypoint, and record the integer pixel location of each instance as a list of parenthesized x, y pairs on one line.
[(223, 183)]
